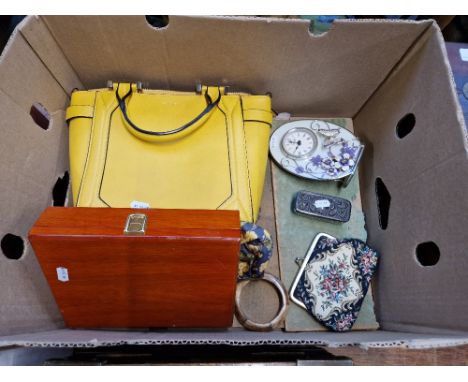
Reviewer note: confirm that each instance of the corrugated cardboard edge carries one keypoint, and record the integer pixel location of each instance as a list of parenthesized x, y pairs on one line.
[(233, 337)]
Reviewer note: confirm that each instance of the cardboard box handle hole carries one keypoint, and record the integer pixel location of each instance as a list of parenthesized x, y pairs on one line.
[(157, 22), (428, 254), (12, 246), (40, 115), (405, 125), (59, 192), (383, 202)]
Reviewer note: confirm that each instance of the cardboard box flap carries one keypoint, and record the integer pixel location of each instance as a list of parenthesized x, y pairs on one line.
[(422, 279), (250, 54), (31, 162), (33, 156), (108, 48), (26, 80), (416, 150), (45, 47)]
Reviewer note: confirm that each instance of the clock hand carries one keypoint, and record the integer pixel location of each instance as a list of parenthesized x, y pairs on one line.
[(298, 144)]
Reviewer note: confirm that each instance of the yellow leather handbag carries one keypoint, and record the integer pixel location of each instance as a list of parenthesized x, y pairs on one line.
[(133, 147)]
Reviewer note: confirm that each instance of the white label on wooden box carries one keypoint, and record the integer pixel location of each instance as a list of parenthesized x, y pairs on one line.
[(62, 274)]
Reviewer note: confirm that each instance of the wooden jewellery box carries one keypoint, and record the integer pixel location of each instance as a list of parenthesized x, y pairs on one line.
[(143, 268)]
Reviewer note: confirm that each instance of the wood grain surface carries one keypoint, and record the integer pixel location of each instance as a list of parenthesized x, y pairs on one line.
[(182, 273), (448, 356)]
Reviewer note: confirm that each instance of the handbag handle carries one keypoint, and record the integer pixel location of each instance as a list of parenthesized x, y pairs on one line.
[(123, 108)]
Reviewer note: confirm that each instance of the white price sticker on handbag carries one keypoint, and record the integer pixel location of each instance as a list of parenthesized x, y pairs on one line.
[(138, 204)]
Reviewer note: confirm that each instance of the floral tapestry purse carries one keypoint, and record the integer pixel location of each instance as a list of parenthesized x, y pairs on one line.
[(333, 280)]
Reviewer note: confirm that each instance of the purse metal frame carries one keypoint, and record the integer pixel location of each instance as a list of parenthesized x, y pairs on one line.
[(304, 261)]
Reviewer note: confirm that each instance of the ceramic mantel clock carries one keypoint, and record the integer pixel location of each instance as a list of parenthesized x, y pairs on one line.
[(317, 150)]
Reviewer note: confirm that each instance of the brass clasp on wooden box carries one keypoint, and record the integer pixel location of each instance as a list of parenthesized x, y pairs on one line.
[(135, 225)]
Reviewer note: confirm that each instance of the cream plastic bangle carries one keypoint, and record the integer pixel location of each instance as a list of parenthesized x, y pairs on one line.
[(268, 326)]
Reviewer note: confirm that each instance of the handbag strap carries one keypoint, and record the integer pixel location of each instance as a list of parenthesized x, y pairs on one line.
[(123, 108)]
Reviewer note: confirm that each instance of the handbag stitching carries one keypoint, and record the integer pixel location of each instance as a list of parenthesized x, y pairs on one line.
[(246, 157), (73, 104), (229, 155), (107, 150), (79, 116), (255, 120), (105, 157), (87, 153), (265, 111)]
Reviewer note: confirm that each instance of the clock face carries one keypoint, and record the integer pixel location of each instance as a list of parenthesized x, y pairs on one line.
[(315, 149), (299, 142)]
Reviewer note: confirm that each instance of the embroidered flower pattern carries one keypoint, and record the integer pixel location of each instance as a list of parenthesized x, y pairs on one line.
[(334, 292), (334, 282), (367, 262), (344, 322), (325, 242)]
